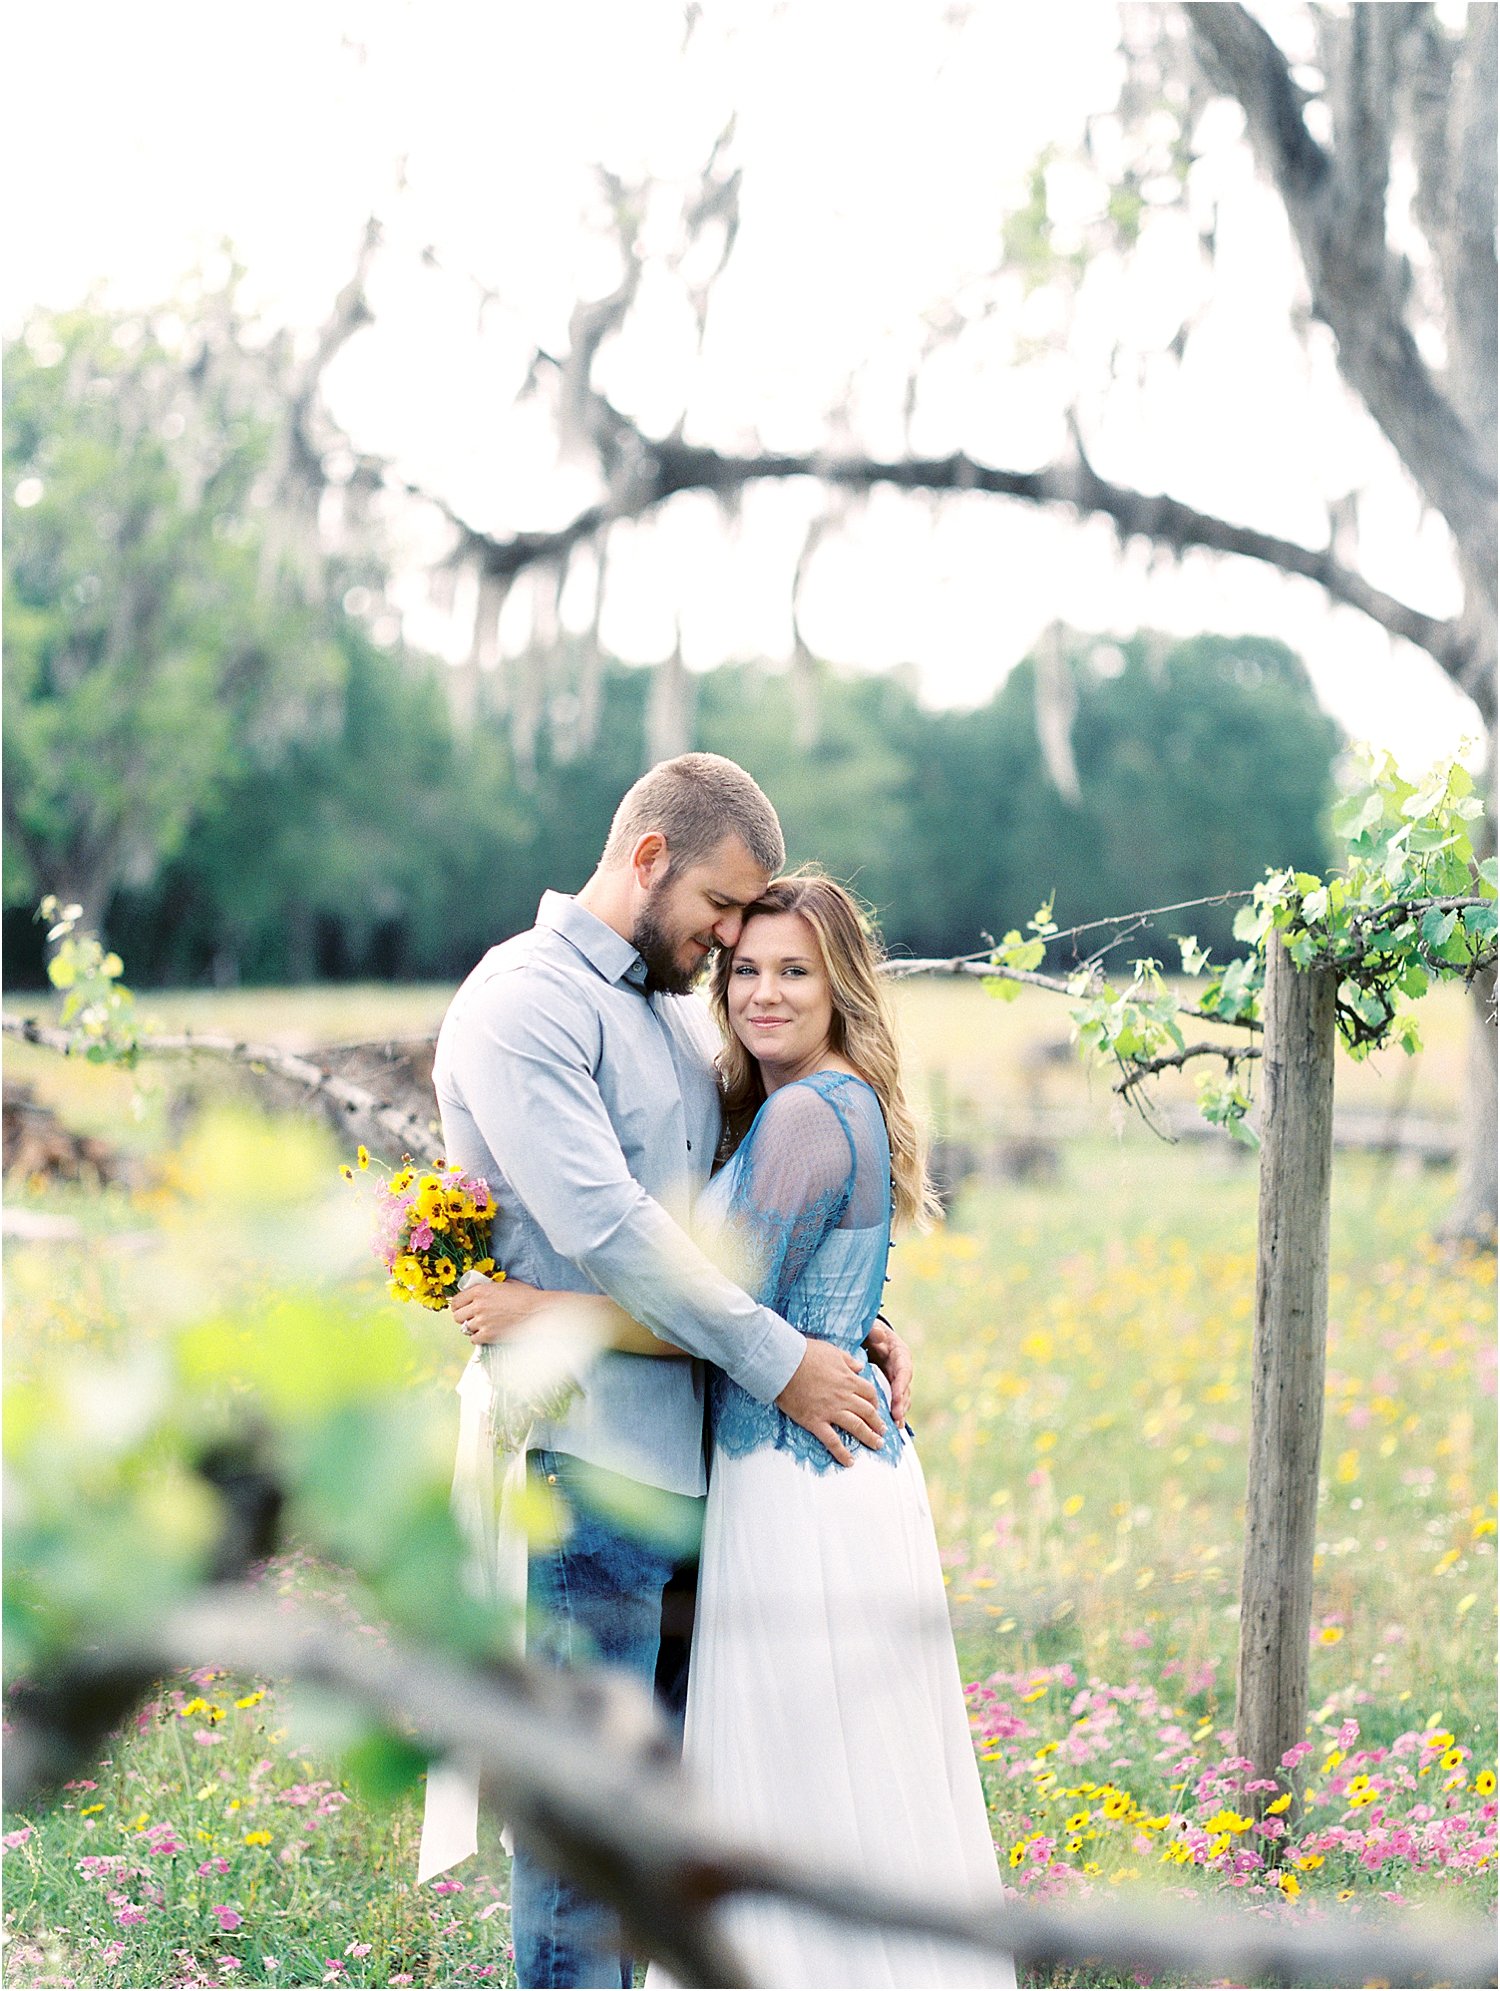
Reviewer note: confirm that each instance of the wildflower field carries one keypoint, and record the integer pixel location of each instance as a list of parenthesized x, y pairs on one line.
[(1081, 1411)]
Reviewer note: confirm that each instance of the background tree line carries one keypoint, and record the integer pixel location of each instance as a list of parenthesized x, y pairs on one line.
[(254, 789), (220, 748)]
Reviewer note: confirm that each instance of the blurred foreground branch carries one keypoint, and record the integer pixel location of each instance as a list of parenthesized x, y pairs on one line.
[(588, 1774), (413, 1137)]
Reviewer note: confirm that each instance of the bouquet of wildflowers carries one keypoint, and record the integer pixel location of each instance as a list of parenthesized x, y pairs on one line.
[(432, 1228), (432, 1234)]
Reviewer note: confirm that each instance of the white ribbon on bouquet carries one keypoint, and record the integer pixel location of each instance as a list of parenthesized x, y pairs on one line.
[(505, 1388)]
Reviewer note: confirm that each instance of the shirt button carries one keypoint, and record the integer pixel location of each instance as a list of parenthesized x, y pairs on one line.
[(552, 1479)]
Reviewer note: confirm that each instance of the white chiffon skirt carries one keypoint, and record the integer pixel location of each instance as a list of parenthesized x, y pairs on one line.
[(826, 1718)]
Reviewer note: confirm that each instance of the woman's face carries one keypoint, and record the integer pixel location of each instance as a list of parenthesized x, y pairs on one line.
[(780, 1002)]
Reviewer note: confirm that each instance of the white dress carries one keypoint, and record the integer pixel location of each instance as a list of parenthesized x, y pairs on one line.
[(825, 1713)]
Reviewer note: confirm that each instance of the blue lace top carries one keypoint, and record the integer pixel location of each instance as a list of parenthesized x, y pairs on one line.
[(802, 1217)]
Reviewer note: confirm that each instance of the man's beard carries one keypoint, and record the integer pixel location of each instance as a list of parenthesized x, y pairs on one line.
[(665, 974)]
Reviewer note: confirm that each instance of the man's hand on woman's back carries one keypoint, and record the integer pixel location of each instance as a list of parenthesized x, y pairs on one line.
[(828, 1390)]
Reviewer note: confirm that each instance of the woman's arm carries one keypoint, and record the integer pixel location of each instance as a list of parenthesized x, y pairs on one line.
[(496, 1309)]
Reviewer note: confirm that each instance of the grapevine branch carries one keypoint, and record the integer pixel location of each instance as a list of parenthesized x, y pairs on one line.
[(968, 965), (411, 1135), (1139, 1069), (589, 1776)]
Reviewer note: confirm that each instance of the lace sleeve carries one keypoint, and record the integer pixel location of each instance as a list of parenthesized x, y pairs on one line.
[(793, 1178)]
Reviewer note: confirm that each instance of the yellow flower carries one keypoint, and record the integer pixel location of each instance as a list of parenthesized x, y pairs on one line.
[(1018, 1852), (407, 1271), (458, 1204), (1359, 1783), (1282, 1803), (1452, 1759), (141, 1820), (1077, 1822), (362, 1157), (1289, 1885), (1329, 1635), (1484, 1783), (401, 1181), (1116, 1804), (1218, 1846), (1308, 1861), (250, 1700), (1228, 1821), (257, 1838), (346, 1171), (89, 1810)]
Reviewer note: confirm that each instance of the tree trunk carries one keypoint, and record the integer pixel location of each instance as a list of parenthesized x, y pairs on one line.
[(1286, 1384)]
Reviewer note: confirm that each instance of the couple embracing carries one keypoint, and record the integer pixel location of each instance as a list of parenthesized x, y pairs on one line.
[(579, 1074)]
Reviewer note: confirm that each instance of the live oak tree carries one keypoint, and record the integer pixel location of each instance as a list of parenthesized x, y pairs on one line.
[(1379, 140), (171, 603)]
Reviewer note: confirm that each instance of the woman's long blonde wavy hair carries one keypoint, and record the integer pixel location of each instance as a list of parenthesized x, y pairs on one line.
[(863, 1029)]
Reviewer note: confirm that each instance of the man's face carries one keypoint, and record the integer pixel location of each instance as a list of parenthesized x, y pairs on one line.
[(687, 914)]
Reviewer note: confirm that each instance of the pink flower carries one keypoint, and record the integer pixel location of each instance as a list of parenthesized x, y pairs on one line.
[(357, 1949), (227, 1918), (421, 1237), (447, 1887), (207, 1738), (14, 1839), (401, 1977), (229, 1963), (129, 1915), (215, 1865)]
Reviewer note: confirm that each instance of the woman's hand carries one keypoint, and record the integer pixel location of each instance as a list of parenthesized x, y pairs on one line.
[(891, 1355), (495, 1309)]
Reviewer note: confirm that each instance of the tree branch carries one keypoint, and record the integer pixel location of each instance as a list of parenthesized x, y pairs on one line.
[(662, 468), (1358, 284)]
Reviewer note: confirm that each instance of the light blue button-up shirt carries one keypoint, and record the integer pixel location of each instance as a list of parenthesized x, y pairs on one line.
[(592, 1111)]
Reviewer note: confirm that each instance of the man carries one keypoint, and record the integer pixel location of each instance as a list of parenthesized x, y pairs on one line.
[(576, 1076)]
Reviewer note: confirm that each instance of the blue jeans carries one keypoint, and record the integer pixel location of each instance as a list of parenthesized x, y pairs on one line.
[(595, 1598)]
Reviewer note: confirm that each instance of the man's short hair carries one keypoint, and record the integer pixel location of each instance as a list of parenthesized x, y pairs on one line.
[(695, 802)]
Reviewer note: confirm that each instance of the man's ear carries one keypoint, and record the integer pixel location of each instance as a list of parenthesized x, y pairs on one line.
[(649, 859)]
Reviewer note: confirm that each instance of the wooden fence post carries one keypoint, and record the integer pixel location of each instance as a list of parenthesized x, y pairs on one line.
[(1287, 1362)]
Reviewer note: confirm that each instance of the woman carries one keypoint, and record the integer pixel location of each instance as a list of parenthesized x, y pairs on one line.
[(825, 1713)]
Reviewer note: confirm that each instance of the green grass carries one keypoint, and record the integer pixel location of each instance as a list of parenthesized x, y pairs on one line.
[(1081, 1413)]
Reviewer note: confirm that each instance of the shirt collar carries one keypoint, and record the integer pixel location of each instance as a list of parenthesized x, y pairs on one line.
[(607, 952)]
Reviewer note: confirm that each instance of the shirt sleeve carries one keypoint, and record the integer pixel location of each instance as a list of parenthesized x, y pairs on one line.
[(793, 1179), (524, 1062)]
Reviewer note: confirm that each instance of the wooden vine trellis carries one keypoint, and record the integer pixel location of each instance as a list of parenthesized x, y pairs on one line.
[(1339, 958)]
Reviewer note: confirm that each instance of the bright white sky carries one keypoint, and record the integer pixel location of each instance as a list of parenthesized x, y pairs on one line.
[(881, 152)]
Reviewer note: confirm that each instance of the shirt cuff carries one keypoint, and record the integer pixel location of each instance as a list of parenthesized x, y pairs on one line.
[(769, 1364)]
